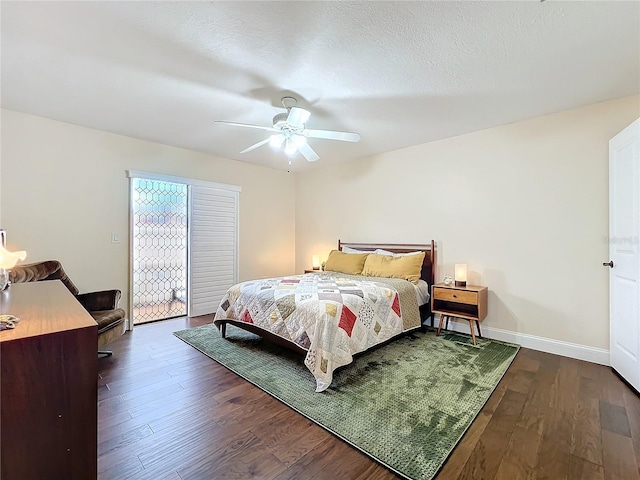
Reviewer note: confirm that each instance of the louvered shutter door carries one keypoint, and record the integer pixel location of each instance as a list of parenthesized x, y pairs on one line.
[(213, 247)]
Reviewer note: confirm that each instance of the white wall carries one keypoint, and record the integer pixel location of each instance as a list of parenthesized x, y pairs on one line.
[(64, 192), (524, 205)]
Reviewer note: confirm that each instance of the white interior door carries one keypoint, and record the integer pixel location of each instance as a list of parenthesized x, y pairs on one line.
[(624, 250)]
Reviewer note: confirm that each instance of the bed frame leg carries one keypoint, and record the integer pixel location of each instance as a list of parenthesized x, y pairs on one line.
[(423, 324), (223, 329), (425, 314)]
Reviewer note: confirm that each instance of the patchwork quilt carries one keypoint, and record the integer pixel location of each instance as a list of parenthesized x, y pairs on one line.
[(331, 315)]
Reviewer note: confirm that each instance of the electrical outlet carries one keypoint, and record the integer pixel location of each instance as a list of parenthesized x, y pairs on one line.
[(115, 238)]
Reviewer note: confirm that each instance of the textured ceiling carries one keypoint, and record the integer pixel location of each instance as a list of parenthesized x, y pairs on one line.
[(399, 73)]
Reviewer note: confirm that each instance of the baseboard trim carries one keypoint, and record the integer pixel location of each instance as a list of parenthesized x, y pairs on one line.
[(542, 344)]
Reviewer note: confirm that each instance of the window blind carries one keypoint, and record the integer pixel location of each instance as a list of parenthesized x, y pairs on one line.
[(213, 247)]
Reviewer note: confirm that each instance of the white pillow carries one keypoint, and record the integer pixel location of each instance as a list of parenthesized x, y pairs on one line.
[(379, 251), (353, 250)]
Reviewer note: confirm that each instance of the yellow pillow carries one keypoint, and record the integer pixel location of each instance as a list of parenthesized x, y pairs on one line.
[(407, 267), (350, 263)]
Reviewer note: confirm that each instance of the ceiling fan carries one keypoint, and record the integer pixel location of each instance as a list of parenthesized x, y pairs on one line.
[(290, 132)]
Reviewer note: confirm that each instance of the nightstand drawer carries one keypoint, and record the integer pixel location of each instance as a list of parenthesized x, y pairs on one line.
[(459, 296)]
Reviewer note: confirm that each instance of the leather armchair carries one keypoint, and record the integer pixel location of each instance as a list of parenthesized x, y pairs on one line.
[(102, 306)]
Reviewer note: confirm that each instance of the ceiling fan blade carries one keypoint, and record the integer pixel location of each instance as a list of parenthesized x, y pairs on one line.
[(254, 146), (247, 125), (308, 152), (298, 116), (331, 135)]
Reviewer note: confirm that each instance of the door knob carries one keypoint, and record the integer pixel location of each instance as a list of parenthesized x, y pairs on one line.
[(608, 264)]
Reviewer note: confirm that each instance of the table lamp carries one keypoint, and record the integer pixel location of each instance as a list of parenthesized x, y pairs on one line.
[(7, 261), (461, 274)]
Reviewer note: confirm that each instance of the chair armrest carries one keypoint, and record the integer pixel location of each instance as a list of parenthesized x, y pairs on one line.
[(104, 300)]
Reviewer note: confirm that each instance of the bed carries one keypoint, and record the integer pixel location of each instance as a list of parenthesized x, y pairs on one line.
[(329, 316)]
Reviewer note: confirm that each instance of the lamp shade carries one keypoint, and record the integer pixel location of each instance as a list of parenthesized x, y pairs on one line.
[(461, 274), (315, 262), (9, 259)]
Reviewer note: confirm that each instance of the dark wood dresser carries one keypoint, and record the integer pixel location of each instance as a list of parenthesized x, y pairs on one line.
[(48, 385)]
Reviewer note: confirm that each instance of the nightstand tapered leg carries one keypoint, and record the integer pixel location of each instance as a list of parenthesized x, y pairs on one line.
[(442, 317), (473, 331), (478, 325)]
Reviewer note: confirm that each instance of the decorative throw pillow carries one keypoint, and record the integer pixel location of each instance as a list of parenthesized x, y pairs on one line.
[(407, 267), (350, 263)]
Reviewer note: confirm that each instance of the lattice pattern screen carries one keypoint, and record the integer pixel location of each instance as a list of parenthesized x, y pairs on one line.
[(159, 250)]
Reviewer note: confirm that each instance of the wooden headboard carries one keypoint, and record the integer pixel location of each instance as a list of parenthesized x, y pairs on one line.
[(428, 265)]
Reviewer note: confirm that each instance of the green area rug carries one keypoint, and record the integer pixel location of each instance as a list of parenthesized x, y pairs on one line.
[(406, 404)]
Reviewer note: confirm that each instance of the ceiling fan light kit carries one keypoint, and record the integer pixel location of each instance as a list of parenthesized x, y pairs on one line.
[(276, 140), (291, 132)]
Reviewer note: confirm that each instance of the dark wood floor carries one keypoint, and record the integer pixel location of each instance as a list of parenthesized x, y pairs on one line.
[(167, 412)]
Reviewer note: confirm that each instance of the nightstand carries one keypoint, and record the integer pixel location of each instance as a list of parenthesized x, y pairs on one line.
[(469, 303)]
